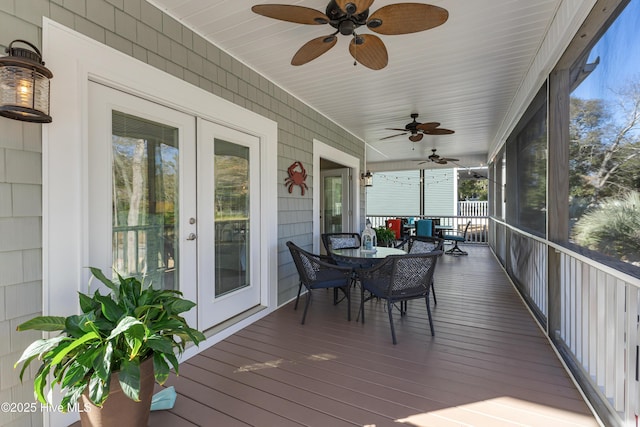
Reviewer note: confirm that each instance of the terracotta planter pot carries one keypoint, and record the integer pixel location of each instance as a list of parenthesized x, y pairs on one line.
[(118, 410)]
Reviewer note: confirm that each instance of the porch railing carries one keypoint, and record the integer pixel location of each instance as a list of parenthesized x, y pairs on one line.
[(596, 318), (473, 208), (477, 233)]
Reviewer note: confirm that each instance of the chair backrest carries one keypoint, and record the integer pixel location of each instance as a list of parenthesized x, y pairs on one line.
[(421, 244), (412, 274), (464, 235), (306, 263), (400, 277), (340, 241), (396, 226), (424, 227)]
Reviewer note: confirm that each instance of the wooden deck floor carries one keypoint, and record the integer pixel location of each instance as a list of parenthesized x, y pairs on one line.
[(487, 365)]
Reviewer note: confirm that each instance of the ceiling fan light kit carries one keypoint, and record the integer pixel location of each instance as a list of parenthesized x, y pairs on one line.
[(348, 15)]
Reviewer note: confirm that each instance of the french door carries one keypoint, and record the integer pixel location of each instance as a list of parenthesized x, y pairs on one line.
[(171, 201), (228, 225), (335, 201)]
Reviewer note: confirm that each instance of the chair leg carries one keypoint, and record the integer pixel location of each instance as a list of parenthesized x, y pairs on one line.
[(361, 310), (348, 292), (455, 250), (429, 314), (393, 330), (433, 290), (306, 305), (295, 307)]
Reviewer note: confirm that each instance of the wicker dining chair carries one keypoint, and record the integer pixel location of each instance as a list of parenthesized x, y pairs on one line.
[(317, 273), (333, 241), (422, 245), (398, 279)]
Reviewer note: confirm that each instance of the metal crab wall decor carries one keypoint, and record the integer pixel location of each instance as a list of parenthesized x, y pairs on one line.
[(297, 176)]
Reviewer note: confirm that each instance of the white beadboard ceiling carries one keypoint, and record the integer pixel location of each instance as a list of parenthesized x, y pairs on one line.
[(463, 74)]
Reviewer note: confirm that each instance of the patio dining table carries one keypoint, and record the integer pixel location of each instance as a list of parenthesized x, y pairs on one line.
[(361, 258)]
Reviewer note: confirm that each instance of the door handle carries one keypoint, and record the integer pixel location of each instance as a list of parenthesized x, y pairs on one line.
[(191, 236)]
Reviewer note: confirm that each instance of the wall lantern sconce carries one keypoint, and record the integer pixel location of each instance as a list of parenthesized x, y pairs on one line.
[(24, 85), (367, 178)]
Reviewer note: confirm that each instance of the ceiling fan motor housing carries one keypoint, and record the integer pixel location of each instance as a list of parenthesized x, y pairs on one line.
[(345, 21)]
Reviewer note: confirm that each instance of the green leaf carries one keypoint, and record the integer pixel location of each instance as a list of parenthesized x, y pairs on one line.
[(87, 304), (124, 324), (97, 273), (74, 326), (172, 359), (160, 344), (102, 361), (74, 344), (153, 310), (39, 347), (110, 309), (39, 383), (25, 365), (71, 397), (166, 325), (135, 336), (74, 374), (160, 368), (43, 323), (181, 305), (98, 389), (129, 378)]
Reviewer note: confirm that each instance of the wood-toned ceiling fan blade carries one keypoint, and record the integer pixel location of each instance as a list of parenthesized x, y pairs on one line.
[(416, 138), (448, 159), (427, 126), (369, 50), (393, 136), (289, 13), (439, 131), (313, 49), (360, 5), (405, 18)]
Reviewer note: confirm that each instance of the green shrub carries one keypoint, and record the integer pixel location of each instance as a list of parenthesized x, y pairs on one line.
[(612, 228)]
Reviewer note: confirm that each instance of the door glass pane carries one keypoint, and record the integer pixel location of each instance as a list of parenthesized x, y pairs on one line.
[(145, 200), (332, 204), (231, 175)]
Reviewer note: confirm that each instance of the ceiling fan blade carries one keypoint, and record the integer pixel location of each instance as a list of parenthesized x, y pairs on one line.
[(398, 129), (393, 136), (405, 18), (369, 50), (416, 138), (447, 159), (289, 13), (428, 126), (439, 131), (313, 49), (440, 161), (359, 5)]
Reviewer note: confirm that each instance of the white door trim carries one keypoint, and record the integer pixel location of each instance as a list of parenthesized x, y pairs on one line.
[(74, 60), (322, 150)]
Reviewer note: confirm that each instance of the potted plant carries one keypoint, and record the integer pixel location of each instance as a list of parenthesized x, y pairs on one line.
[(385, 236), (120, 340)]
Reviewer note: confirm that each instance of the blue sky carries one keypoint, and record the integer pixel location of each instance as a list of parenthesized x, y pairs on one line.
[(619, 52)]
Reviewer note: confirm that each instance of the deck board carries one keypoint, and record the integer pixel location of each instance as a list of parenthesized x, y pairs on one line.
[(488, 364)]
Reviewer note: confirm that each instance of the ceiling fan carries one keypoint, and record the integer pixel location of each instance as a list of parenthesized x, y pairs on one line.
[(437, 159), (347, 15), (418, 130)]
